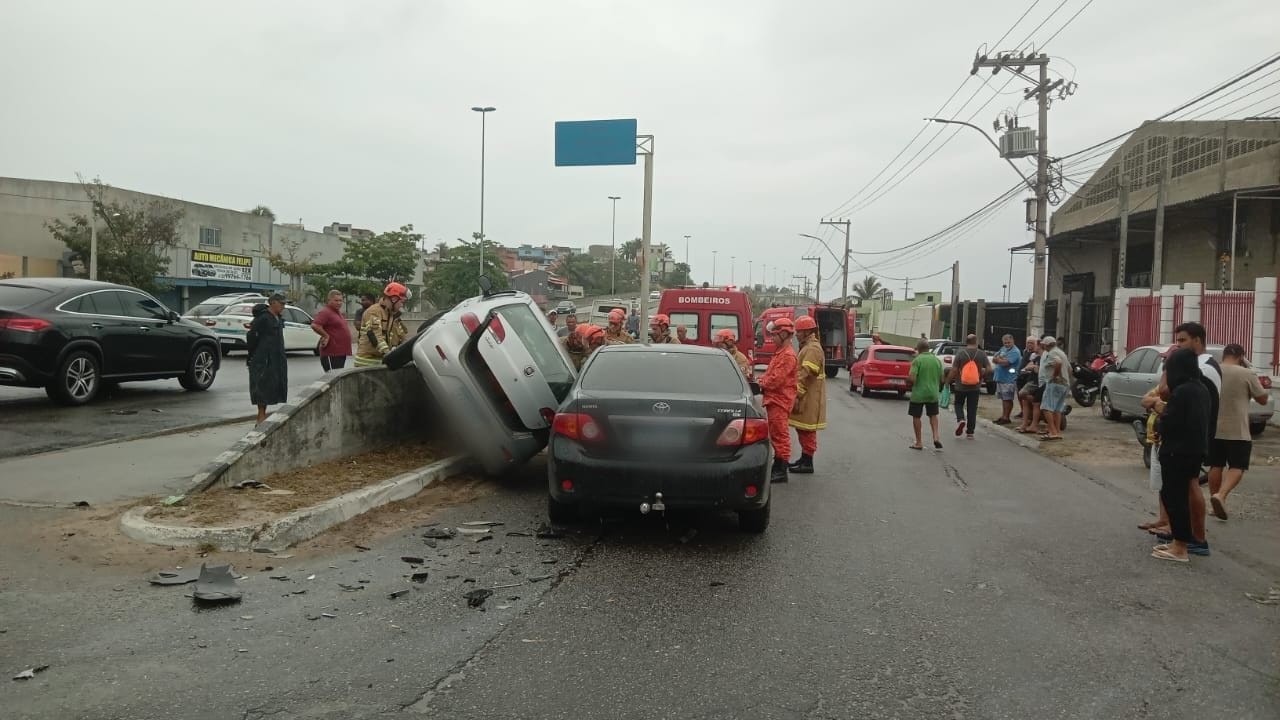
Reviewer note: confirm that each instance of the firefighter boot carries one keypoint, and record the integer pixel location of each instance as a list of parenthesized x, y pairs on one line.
[(779, 473), (803, 466)]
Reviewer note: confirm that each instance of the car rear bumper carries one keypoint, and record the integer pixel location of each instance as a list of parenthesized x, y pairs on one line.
[(14, 370), (886, 382), (684, 485)]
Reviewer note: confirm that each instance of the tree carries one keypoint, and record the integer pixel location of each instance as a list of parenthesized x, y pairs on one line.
[(456, 278), (369, 263), (133, 239), (679, 275), (262, 211), (629, 250), (867, 288), (297, 265)]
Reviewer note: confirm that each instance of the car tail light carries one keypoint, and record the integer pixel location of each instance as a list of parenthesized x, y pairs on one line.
[(25, 324), (577, 426), (498, 329), (470, 322), (744, 432), (751, 491), (1266, 381), (566, 485)]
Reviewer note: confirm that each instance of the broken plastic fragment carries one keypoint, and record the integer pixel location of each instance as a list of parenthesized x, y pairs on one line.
[(216, 584), (439, 533), (546, 532), (247, 484), (397, 594), (30, 672), (174, 577), (419, 577), (475, 598), (482, 523), (362, 548), (412, 559), (473, 531), (173, 500)]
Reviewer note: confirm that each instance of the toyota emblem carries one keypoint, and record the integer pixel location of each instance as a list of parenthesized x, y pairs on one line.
[(661, 408)]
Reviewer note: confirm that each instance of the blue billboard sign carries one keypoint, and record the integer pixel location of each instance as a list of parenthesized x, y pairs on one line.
[(596, 142)]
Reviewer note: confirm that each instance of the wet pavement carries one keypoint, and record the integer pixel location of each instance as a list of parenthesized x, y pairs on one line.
[(981, 582), (31, 423)]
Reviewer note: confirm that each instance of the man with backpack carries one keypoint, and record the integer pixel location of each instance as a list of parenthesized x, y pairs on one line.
[(968, 370)]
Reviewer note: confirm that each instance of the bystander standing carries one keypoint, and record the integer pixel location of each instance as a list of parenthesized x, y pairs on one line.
[(268, 364), (1232, 445), (926, 384), (1008, 360), (334, 332)]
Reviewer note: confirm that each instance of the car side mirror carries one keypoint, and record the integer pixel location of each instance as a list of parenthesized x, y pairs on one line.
[(173, 317)]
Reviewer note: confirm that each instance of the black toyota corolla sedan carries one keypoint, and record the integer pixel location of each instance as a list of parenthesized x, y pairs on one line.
[(657, 427), (70, 336)]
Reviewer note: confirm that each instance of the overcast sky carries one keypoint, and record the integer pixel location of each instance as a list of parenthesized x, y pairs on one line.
[(767, 114)]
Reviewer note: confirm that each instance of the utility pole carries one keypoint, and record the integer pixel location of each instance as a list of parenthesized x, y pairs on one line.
[(799, 287), (955, 300), (906, 288), (1016, 64), (817, 292), (1157, 247), (1124, 229), (844, 264)]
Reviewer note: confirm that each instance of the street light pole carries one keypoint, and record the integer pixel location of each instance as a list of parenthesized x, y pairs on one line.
[(484, 112), (1030, 185), (733, 272), (686, 254), (713, 266), (613, 243)]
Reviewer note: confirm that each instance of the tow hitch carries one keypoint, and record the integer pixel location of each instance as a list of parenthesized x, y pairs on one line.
[(656, 506)]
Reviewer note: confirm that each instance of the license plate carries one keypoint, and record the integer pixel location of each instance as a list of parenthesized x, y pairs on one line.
[(897, 381), (659, 436)]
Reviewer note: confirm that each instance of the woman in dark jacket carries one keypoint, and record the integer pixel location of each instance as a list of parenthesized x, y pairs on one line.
[(268, 366), (1184, 434)]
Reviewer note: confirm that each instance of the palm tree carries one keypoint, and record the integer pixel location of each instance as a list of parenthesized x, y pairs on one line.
[(442, 250), (867, 288)]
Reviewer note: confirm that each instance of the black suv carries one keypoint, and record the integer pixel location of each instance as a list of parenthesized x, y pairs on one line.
[(70, 336)]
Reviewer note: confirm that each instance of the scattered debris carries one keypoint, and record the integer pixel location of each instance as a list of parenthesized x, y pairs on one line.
[(540, 578), (174, 577), (216, 584), (1271, 598), (173, 500), (278, 556), (515, 533), (716, 583), (515, 571), (311, 577), (362, 548), (439, 533), (328, 615), (397, 594), (550, 561), (278, 577), (30, 672), (504, 607), (364, 582), (124, 412), (242, 650), (430, 542), (80, 503), (156, 410), (473, 531), (482, 538), (412, 559), (250, 484), (546, 532), (246, 617), (511, 585), (350, 588), (264, 550), (482, 523), (419, 577), (298, 592), (475, 598), (467, 580)]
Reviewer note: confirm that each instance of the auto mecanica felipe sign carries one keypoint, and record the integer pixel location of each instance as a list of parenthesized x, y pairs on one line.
[(221, 266)]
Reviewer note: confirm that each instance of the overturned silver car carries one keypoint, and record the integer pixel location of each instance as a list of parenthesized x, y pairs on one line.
[(498, 372)]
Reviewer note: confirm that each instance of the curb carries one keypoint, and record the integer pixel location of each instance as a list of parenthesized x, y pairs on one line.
[(299, 525)]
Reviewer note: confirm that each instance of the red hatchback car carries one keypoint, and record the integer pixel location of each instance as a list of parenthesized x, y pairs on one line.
[(882, 368)]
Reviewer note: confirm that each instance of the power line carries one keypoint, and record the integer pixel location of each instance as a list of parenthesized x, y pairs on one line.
[(1064, 25)]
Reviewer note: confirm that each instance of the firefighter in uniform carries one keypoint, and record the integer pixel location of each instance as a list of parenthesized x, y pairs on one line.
[(380, 327), (593, 337), (726, 341), (575, 344), (617, 334), (660, 331), (810, 412), (779, 387)]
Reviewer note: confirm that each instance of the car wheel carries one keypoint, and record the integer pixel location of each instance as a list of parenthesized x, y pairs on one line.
[(902, 394), (754, 521), (866, 391), (853, 387), (1108, 412), (77, 381), (561, 513), (833, 371), (1257, 428), (201, 370)]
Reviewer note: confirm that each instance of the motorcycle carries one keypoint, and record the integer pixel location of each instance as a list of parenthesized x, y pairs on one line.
[(1089, 377)]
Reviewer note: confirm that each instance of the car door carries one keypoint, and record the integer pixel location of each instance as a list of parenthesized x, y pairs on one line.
[(1127, 384), (857, 370), (298, 334), (117, 332), (526, 362), (161, 346)]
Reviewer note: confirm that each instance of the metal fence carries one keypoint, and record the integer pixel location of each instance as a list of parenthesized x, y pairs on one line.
[(1144, 321), (1227, 317)]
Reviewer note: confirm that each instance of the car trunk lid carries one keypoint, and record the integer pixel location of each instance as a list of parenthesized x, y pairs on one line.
[(652, 425)]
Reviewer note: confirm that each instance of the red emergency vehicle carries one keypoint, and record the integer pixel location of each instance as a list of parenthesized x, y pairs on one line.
[(836, 328), (704, 311)]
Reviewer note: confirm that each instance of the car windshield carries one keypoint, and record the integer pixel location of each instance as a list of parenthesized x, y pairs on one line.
[(532, 331), (681, 373), (19, 296)]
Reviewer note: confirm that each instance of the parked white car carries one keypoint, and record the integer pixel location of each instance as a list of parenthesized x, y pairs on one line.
[(232, 326), (1140, 370), (210, 307), (498, 371)]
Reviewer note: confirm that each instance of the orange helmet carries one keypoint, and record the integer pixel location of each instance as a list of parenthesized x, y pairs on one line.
[(395, 289), (587, 330), (617, 316), (661, 319), (784, 324), (806, 322), (726, 335)]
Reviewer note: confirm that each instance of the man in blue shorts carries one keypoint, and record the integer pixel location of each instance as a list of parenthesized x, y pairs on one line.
[(1008, 360), (1055, 378)]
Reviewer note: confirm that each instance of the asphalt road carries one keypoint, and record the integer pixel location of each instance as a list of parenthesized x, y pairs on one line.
[(981, 582), (31, 423)]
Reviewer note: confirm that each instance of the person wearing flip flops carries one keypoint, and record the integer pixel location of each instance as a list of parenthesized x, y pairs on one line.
[(1184, 432), (926, 387), (1055, 367)]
